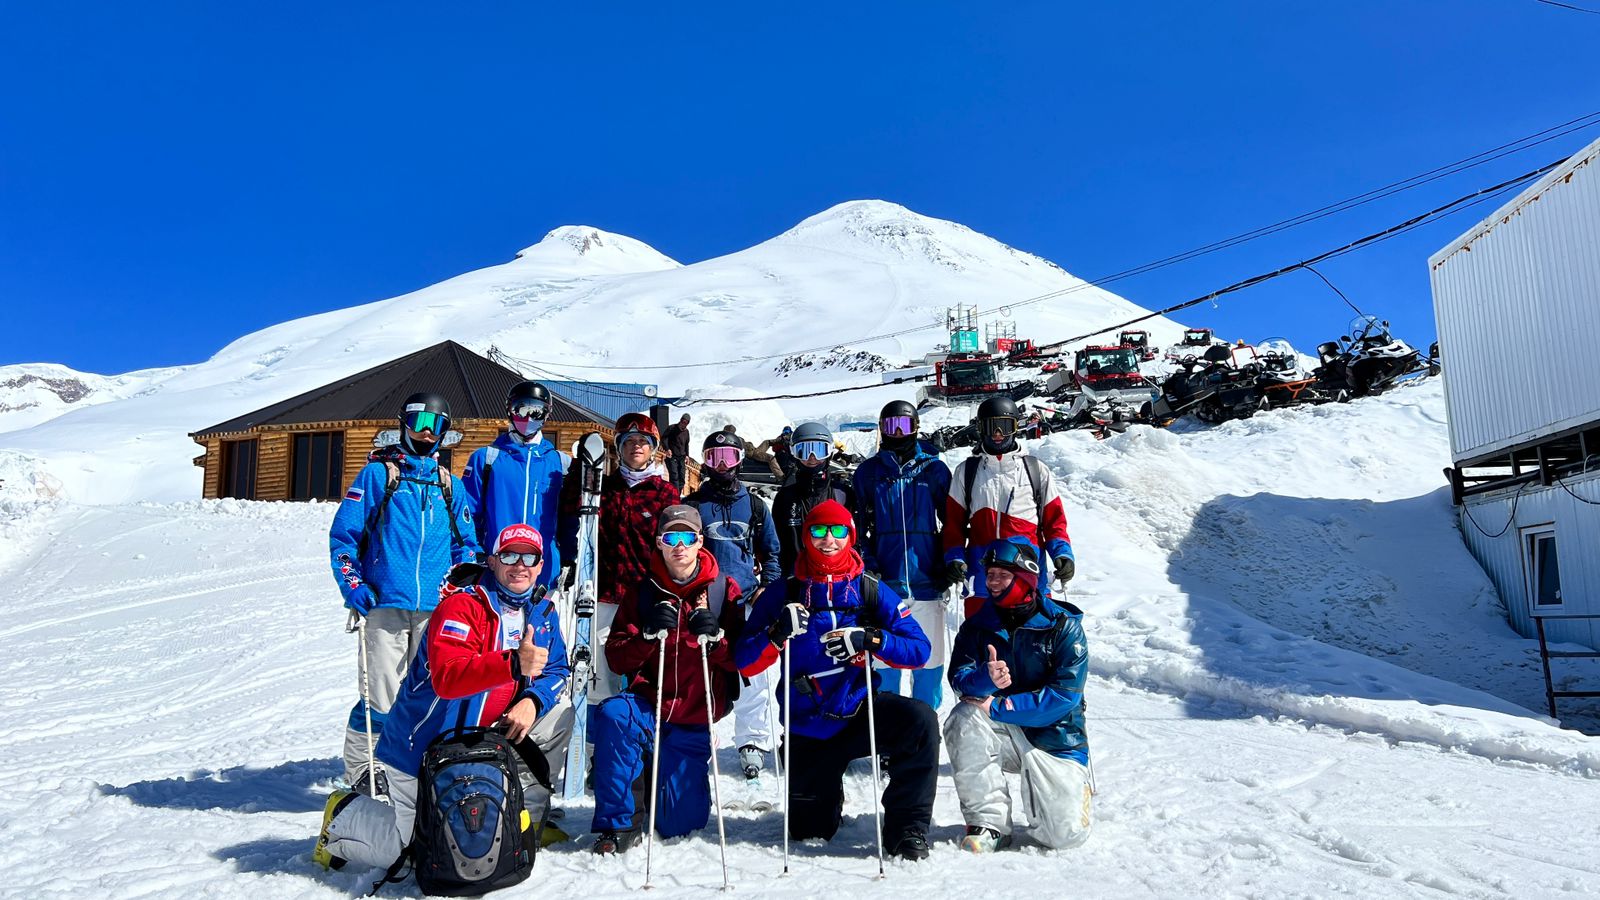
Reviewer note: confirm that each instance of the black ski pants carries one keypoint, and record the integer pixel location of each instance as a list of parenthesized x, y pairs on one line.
[(908, 737)]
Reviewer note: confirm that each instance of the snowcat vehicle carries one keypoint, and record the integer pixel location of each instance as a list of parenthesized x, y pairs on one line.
[(969, 378), (1138, 342)]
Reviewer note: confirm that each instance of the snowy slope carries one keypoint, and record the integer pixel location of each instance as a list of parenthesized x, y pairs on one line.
[(1301, 688), (31, 393), (583, 296)]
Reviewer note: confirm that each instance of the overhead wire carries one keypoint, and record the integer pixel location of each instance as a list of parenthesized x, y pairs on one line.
[(1592, 12)]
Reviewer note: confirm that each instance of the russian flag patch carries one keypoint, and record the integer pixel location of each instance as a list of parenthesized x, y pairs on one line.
[(904, 610), (355, 494), (453, 629)]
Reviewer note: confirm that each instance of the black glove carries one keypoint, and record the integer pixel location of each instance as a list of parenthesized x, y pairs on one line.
[(792, 620), (955, 572), (662, 618), (703, 623), (848, 643), (1065, 568)]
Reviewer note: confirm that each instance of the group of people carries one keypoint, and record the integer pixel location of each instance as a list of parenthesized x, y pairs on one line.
[(798, 620)]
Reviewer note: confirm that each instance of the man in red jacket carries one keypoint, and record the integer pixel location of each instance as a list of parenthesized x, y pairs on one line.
[(682, 605)]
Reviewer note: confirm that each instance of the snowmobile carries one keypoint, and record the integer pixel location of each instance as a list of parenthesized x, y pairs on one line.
[(1367, 361), (1211, 387), (1283, 381), (1138, 342)]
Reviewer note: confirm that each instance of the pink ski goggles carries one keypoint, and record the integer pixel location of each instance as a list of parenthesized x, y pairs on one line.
[(897, 426), (723, 457)]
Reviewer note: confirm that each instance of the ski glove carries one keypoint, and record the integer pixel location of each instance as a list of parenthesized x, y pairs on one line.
[(362, 600), (955, 572), (792, 620), (848, 643), (1065, 568), (703, 623), (662, 618)]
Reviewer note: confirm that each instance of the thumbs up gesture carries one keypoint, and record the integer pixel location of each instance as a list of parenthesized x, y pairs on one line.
[(530, 656), (999, 672)]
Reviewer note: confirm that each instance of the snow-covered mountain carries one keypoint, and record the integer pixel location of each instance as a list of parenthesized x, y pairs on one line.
[(608, 307)]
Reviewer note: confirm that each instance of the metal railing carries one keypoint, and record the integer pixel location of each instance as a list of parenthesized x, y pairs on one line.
[(1546, 654)]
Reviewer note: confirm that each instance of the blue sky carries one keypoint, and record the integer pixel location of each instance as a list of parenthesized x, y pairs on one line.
[(175, 175)]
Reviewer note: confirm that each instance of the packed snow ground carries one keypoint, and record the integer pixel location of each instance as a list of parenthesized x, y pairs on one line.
[(1302, 687)]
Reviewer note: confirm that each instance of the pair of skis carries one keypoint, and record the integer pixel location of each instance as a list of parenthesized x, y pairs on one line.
[(591, 460)]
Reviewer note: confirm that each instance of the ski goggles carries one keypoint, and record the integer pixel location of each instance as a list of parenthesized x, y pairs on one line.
[(838, 531), (422, 420), (724, 457), (514, 557), (626, 436), (529, 409), (1010, 555), (897, 426), (812, 450), (1006, 425), (679, 538)]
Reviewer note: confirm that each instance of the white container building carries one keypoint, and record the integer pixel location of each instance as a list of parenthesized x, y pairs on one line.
[(1517, 304)]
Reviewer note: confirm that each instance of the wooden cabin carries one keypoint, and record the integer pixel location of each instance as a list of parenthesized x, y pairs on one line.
[(311, 447)]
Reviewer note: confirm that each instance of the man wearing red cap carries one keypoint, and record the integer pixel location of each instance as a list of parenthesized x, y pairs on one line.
[(493, 658), (1020, 665), (829, 617)]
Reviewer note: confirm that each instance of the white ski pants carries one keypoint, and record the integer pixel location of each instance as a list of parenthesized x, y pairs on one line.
[(393, 637), (606, 681), (753, 711), (1055, 791)]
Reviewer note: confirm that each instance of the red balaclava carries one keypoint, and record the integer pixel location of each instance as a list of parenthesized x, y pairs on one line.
[(1023, 586), (813, 564)]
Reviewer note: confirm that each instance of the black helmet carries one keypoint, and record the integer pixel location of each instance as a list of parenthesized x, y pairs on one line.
[(528, 400), (897, 423), (423, 412), (998, 414), (720, 439)]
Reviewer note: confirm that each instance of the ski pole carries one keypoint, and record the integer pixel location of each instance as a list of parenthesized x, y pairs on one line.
[(788, 702), (655, 755), (360, 624), (716, 769), (872, 748)]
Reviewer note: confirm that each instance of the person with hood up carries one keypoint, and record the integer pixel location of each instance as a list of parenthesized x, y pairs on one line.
[(1020, 665), (809, 484), (900, 496), (829, 617), (518, 478), (632, 499), (683, 599)]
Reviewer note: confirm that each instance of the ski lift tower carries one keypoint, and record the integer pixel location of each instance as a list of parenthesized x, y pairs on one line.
[(962, 322), (1001, 337)]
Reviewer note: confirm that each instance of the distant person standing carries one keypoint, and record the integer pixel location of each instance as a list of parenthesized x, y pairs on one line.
[(402, 524), (677, 441)]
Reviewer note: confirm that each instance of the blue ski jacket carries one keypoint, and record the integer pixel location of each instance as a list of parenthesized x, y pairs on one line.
[(510, 482), (826, 694), (900, 513), (730, 529), (1049, 664), (465, 675), (410, 542)]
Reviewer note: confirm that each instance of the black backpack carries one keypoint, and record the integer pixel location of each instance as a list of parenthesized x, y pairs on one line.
[(473, 834)]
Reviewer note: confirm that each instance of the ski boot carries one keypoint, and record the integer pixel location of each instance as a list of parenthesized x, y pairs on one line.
[(912, 846), (611, 842), (337, 801), (984, 840)]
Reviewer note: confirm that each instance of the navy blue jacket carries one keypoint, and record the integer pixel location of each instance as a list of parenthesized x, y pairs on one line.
[(899, 514), (1049, 663), (726, 511)]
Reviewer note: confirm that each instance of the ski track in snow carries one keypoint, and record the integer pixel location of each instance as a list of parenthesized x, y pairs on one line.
[(178, 678)]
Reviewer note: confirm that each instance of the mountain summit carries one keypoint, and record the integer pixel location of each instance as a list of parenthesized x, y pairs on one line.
[(597, 249)]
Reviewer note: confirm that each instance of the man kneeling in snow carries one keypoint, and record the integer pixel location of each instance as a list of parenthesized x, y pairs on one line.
[(491, 658), (1020, 666)]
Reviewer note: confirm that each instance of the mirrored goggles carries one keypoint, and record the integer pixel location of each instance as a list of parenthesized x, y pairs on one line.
[(838, 531), (812, 450), (529, 409), (422, 420), (513, 557), (724, 457), (679, 538), (898, 426), (1011, 556), (1006, 425)]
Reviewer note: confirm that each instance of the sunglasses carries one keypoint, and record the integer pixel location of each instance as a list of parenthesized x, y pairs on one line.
[(897, 426), (529, 409), (512, 557), (422, 420), (812, 450), (723, 457), (679, 538), (838, 531), (1012, 556)]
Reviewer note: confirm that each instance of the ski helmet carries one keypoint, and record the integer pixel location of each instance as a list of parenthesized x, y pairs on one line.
[(811, 442), (423, 412), (640, 424), (998, 414), (897, 423), (1020, 559), (527, 405), (722, 453)]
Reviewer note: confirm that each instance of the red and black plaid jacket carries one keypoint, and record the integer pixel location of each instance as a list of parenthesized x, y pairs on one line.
[(627, 528)]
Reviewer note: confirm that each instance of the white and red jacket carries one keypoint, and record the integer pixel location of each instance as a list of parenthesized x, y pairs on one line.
[(1002, 505)]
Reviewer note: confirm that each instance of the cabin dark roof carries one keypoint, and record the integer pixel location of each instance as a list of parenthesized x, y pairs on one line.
[(476, 388)]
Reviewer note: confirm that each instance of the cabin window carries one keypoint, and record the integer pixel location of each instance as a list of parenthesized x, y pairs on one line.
[(1542, 566), (317, 466), (238, 469)]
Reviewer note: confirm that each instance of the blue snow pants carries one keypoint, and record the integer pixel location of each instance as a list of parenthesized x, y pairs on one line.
[(621, 728)]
